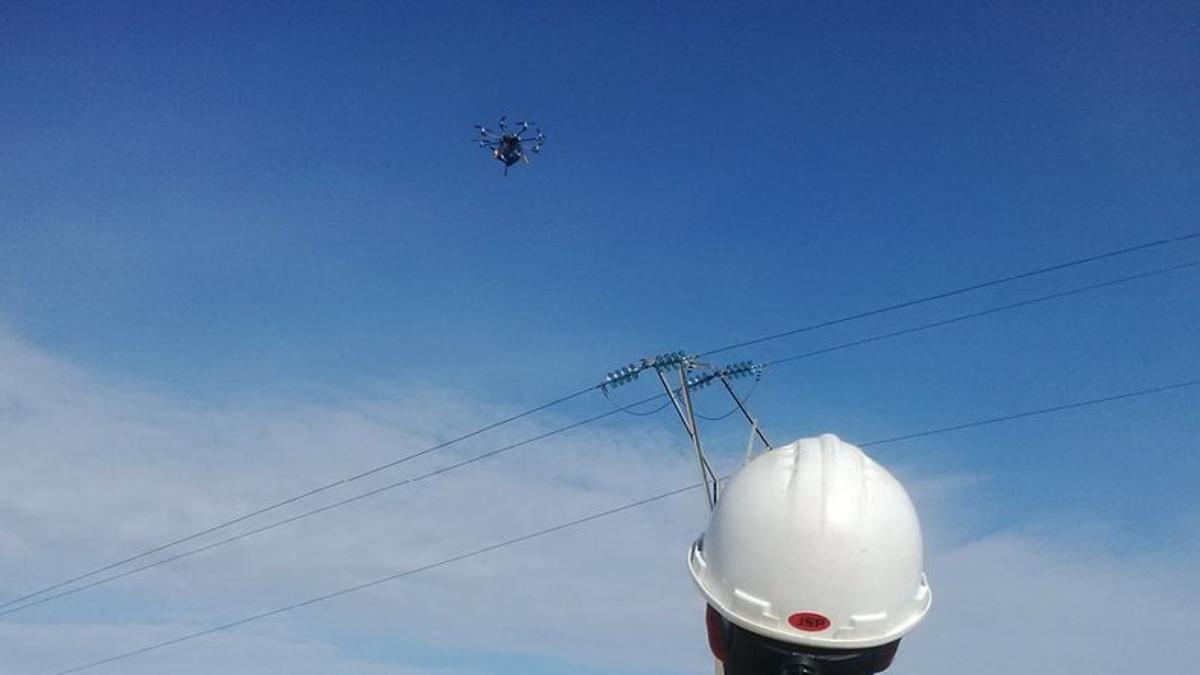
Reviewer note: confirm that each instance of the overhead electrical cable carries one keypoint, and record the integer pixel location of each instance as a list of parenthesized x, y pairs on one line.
[(985, 312), (384, 580), (628, 409), (597, 516), (494, 425), (957, 291), (312, 512), (735, 408), (10, 609), (1034, 413), (295, 498)]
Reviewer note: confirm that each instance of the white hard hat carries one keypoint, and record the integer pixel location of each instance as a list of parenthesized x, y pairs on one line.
[(815, 544)]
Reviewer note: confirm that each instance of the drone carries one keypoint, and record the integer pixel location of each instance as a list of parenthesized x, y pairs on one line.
[(508, 146)]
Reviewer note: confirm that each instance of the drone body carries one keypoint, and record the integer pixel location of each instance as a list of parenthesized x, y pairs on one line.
[(508, 147)]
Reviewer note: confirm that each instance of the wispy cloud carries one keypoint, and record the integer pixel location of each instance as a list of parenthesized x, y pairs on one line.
[(96, 470)]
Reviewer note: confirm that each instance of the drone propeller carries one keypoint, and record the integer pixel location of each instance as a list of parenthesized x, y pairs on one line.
[(536, 140), (536, 137)]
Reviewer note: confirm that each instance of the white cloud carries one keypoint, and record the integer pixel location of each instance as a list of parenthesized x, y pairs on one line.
[(1058, 603), (95, 471), (29, 648)]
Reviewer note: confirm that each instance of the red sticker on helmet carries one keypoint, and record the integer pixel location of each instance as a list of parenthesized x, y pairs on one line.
[(809, 621)]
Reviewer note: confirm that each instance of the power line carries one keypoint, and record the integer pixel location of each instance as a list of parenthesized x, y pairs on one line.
[(736, 407), (957, 291), (384, 580), (628, 409), (985, 312), (9, 609), (489, 427), (597, 516), (1035, 413), (291, 500), (312, 512)]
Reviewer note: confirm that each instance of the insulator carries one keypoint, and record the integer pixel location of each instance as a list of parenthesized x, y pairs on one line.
[(621, 376), (666, 362), (739, 370), (660, 362)]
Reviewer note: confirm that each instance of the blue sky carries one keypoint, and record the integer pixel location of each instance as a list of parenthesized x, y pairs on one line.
[(274, 210)]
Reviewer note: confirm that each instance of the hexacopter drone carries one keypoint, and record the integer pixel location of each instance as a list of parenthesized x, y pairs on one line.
[(508, 146)]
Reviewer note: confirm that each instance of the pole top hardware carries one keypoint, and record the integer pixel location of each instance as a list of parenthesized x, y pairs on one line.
[(661, 363)]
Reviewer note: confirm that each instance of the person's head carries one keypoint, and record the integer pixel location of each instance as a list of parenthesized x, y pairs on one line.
[(811, 563), (745, 653)]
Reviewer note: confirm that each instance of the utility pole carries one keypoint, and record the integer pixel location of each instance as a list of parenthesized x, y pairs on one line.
[(694, 375)]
